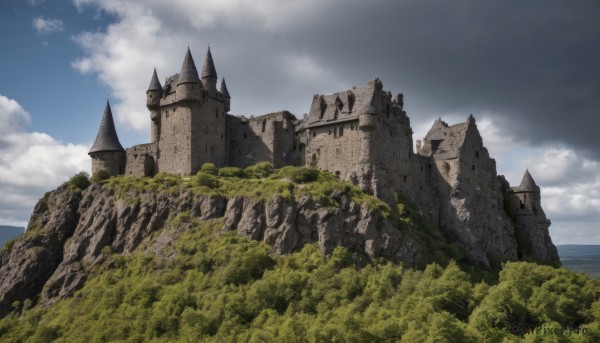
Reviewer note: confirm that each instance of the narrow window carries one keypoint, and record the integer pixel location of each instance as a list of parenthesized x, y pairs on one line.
[(473, 167), (264, 125), (341, 133), (245, 135), (476, 154), (404, 178)]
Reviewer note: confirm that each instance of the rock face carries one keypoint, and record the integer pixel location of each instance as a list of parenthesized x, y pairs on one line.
[(69, 230)]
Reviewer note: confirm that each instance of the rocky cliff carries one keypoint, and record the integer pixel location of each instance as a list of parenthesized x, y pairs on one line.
[(70, 229)]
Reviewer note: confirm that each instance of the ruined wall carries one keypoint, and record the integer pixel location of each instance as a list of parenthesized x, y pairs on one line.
[(141, 160), (471, 197)]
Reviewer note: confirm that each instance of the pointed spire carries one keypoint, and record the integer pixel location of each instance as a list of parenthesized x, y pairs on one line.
[(224, 90), (154, 83), (527, 181), (189, 73), (107, 139), (209, 67)]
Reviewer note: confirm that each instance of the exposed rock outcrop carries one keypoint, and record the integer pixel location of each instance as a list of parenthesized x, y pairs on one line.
[(69, 231)]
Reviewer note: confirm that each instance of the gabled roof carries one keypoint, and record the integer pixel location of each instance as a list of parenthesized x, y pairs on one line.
[(107, 139), (342, 106), (189, 73), (224, 90), (209, 67), (154, 83)]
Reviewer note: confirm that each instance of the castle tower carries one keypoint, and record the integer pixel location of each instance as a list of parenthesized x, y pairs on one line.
[(153, 95), (107, 153), (191, 128), (226, 95), (527, 195), (209, 74), (188, 83)]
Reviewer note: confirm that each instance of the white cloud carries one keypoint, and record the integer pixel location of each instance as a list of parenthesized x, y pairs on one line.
[(31, 163), (45, 26), (155, 34)]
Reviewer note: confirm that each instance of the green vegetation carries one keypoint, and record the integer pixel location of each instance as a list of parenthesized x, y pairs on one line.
[(79, 181), (221, 287), (258, 181), (99, 176)]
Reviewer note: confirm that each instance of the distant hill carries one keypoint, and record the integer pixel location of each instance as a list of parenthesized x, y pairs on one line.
[(581, 258), (9, 232)]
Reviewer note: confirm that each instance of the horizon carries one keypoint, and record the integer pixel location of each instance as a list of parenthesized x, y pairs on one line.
[(525, 71)]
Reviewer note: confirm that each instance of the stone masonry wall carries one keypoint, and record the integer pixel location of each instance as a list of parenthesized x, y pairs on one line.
[(141, 160), (111, 161)]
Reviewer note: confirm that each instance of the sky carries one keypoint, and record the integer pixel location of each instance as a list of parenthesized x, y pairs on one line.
[(528, 71)]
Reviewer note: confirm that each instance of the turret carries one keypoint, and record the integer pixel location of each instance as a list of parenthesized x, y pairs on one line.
[(107, 153), (209, 74), (153, 95), (226, 95), (526, 196), (188, 84)]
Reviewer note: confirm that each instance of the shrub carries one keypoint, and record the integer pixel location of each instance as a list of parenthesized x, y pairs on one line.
[(79, 181), (209, 168), (232, 172), (299, 174), (207, 180), (99, 176), (260, 170)]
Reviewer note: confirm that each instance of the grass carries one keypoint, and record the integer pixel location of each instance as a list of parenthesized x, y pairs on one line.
[(289, 183)]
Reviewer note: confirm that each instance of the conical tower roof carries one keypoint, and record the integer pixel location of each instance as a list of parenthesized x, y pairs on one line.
[(224, 90), (527, 182), (209, 66), (189, 73), (154, 83), (107, 139)]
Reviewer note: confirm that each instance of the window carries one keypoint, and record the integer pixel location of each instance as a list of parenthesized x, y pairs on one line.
[(341, 132), (473, 167), (264, 125), (404, 178), (476, 154), (335, 132), (245, 135), (314, 133)]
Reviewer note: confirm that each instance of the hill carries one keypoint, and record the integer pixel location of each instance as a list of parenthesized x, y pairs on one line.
[(265, 255), (221, 287), (9, 232), (581, 258)]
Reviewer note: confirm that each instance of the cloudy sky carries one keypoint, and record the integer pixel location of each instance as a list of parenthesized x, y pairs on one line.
[(528, 71)]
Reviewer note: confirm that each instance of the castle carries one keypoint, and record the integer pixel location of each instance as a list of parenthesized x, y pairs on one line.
[(363, 135)]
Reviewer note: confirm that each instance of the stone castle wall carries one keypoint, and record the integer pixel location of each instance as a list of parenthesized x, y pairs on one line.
[(112, 162)]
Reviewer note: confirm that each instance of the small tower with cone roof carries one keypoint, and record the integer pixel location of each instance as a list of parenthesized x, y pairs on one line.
[(526, 199), (153, 96), (226, 95), (209, 74), (188, 83), (107, 153)]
